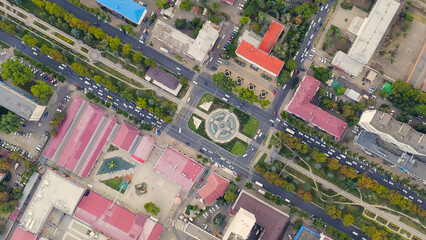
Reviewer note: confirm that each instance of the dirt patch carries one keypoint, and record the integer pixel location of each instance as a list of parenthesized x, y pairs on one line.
[(364, 5), (335, 42), (401, 47)]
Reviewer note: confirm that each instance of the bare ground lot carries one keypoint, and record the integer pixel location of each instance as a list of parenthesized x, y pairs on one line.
[(364, 5), (398, 53)]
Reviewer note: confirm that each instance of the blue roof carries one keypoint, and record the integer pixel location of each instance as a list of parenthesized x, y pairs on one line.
[(305, 228), (127, 8)]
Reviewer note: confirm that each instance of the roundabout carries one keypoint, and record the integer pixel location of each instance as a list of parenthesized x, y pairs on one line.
[(222, 125)]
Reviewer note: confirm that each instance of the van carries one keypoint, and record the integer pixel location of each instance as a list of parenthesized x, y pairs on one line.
[(180, 130), (189, 99), (258, 184), (261, 191), (226, 95), (355, 233), (288, 201), (225, 99), (86, 82), (319, 20), (245, 155)]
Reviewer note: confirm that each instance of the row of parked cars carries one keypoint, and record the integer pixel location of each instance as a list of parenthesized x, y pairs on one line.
[(12, 148)]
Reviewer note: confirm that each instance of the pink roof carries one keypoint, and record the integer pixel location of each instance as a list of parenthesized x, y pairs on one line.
[(230, 1), (143, 149), (14, 215), (271, 37), (119, 223), (97, 147), (178, 168), (260, 58), (300, 106), (214, 189), (80, 137), (62, 129), (21, 234), (125, 136)]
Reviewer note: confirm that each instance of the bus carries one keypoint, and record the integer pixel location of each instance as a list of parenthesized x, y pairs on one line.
[(258, 184), (289, 131)]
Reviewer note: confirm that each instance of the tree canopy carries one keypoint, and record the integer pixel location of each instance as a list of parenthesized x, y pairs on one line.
[(9, 123), (222, 81), (291, 65), (17, 72), (42, 91), (30, 40), (152, 208), (322, 74)]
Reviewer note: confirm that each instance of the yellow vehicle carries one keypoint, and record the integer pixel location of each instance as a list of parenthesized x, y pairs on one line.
[(109, 97)]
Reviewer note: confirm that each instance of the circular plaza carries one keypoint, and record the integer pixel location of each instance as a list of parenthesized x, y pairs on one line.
[(222, 125)]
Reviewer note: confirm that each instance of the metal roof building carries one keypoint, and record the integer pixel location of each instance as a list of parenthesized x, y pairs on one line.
[(368, 37), (127, 8), (20, 103)]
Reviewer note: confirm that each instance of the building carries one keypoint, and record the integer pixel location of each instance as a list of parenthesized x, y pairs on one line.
[(20, 103), (260, 56), (197, 48), (114, 220), (270, 221), (393, 131), (230, 2), (214, 189), (371, 76), (144, 148), (301, 107), (164, 80), (129, 9), (179, 168), (369, 36), (53, 193), (80, 138), (371, 144), (353, 95), (22, 234), (241, 225), (125, 137), (305, 233)]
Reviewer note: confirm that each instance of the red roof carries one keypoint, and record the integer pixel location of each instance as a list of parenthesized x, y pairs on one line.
[(214, 189), (125, 136), (21, 234), (80, 137), (14, 215), (178, 168), (143, 149), (62, 129), (300, 106), (119, 223), (271, 37), (97, 147), (230, 1), (260, 58)]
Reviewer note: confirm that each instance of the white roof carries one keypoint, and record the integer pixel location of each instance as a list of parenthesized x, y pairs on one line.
[(19, 103), (373, 29), (195, 48), (352, 94), (53, 191), (241, 225), (347, 63)]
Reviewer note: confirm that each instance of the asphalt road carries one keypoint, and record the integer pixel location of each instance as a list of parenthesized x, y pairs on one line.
[(147, 51), (216, 153)]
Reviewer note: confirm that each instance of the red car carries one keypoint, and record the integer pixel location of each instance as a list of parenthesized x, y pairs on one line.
[(139, 47), (275, 90), (296, 71), (275, 113), (202, 180)]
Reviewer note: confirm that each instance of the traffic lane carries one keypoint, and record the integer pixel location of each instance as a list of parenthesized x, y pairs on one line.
[(217, 49), (114, 32)]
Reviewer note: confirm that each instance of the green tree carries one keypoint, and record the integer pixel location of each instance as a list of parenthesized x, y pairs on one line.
[(151, 208), (224, 82), (244, 20), (9, 123), (141, 103), (5, 164), (149, 62), (127, 48), (18, 73), (160, 3), (215, 6), (290, 187), (348, 219), (7, 208), (230, 196), (137, 57), (339, 90), (249, 185), (56, 55), (57, 119), (180, 23), (322, 74), (409, 17), (80, 69), (284, 77), (42, 91), (333, 212), (333, 164), (264, 103), (30, 40), (383, 93), (44, 49), (291, 65), (183, 80), (215, 19), (114, 44)]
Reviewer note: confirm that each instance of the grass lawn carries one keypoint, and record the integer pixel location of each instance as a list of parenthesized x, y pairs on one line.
[(251, 127), (114, 183), (263, 157), (206, 98), (239, 147), (201, 129)]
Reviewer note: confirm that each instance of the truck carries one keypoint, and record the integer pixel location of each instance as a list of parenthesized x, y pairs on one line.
[(289, 131), (258, 184), (261, 191), (164, 50)]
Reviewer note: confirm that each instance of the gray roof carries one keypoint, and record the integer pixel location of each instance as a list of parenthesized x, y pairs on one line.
[(163, 77), (20, 103)]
